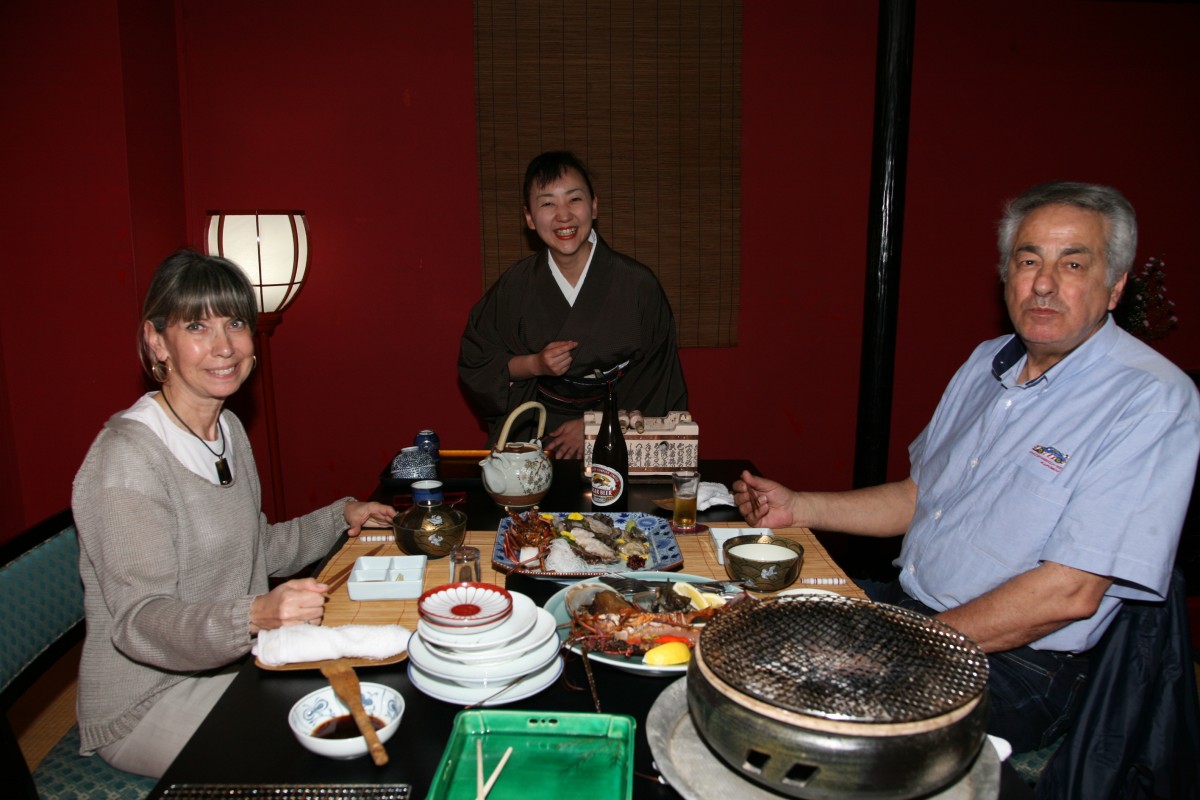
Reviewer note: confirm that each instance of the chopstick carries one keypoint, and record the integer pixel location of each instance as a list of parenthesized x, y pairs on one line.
[(491, 781), (479, 768), (753, 501), (492, 697), (343, 574)]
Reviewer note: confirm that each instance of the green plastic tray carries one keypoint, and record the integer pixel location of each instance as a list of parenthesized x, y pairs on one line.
[(555, 755)]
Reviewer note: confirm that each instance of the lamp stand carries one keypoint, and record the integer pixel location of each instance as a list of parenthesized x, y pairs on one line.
[(267, 322)]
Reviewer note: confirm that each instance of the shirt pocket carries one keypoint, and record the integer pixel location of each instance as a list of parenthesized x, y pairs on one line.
[(1017, 525)]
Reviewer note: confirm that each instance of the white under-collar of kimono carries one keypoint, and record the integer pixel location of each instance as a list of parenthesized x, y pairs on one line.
[(571, 292)]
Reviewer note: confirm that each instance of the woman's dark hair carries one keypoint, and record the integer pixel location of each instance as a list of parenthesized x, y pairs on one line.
[(189, 286), (549, 167)]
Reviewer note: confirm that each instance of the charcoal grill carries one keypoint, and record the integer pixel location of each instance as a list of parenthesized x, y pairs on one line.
[(826, 698)]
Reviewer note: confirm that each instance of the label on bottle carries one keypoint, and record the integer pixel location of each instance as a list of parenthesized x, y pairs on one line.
[(607, 485)]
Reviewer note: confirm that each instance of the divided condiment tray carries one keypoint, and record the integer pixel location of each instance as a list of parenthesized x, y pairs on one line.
[(387, 578)]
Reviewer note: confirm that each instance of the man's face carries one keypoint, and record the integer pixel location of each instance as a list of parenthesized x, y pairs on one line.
[(562, 212), (1055, 289)]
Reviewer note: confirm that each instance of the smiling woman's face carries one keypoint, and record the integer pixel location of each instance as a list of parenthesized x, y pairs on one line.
[(562, 212), (1056, 288), (210, 358)]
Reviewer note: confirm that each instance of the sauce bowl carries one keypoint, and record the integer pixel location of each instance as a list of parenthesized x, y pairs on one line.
[(320, 707), (763, 562)]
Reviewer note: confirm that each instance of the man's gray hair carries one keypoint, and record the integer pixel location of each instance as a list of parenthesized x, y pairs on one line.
[(1121, 246)]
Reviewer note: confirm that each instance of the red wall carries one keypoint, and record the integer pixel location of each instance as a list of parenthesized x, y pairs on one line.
[(364, 118), (1009, 95), (68, 306)]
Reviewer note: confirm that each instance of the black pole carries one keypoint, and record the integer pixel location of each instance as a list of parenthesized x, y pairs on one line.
[(893, 83)]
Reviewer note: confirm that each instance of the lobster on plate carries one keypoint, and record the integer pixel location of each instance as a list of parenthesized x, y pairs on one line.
[(604, 621), (527, 529)]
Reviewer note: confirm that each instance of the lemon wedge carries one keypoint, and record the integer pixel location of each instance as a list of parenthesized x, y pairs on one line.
[(692, 593), (712, 600), (668, 654)]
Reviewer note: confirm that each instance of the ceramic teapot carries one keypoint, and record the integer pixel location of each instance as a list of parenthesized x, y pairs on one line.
[(517, 474)]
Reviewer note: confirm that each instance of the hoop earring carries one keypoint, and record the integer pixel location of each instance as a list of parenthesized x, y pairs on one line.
[(253, 363), (160, 371)]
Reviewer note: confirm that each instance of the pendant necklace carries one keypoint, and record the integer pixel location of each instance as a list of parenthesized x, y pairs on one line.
[(223, 473)]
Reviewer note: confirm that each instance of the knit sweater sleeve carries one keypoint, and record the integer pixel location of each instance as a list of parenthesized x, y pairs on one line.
[(171, 562)]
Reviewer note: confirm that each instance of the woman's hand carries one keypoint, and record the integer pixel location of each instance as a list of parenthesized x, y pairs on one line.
[(567, 439), (554, 359), (290, 603), (359, 514), (763, 502)]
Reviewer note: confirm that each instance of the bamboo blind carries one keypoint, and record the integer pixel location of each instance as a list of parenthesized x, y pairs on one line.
[(648, 94)]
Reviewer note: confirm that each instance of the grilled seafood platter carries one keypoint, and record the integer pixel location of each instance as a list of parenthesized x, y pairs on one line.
[(573, 542), (669, 618)]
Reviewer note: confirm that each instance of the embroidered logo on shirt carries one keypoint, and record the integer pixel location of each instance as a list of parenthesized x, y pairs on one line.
[(1051, 458)]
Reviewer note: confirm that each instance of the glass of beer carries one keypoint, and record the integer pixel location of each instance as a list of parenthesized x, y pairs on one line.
[(685, 485)]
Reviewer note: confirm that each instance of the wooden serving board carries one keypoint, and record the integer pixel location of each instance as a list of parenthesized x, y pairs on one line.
[(353, 662)]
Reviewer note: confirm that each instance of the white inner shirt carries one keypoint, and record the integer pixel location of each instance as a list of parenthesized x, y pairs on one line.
[(183, 445), (571, 292)]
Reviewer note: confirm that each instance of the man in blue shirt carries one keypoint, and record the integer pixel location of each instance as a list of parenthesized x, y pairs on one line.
[(1053, 479)]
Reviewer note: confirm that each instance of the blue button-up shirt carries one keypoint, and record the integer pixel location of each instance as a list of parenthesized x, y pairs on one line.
[(1090, 465)]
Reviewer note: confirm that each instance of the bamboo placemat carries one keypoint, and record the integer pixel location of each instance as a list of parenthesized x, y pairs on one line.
[(699, 558)]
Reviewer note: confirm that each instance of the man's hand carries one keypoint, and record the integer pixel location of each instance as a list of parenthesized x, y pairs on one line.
[(763, 502)]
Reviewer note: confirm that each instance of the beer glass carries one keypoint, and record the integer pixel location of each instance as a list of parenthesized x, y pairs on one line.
[(685, 485)]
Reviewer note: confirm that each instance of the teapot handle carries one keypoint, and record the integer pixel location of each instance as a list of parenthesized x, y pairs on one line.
[(516, 412)]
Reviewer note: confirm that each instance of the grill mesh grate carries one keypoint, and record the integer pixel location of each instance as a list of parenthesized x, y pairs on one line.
[(844, 659)]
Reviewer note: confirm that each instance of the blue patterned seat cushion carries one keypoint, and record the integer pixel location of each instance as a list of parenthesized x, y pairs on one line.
[(43, 598), (66, 775)]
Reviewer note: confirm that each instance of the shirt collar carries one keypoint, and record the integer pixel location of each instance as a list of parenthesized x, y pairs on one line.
[(1012, 353), (571, 292)]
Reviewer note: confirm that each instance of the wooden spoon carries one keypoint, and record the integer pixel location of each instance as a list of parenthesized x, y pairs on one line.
[(345, 685)]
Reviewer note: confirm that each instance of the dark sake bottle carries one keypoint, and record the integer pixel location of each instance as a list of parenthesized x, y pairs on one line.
[(610, 461)]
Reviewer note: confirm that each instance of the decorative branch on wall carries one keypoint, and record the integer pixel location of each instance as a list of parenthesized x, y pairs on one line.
[(649, 96), (1144, 309)]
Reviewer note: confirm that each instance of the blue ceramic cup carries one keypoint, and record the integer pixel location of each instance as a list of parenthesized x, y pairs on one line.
[(427, 492)]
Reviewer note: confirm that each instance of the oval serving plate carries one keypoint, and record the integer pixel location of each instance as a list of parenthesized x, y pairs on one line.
[(664, 549), (556, 605)]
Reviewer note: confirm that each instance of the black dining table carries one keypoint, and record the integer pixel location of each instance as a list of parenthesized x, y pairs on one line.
[(246, 740)]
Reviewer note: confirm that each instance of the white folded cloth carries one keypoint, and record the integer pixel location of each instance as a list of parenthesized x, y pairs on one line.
[(712, 494), (1003, 748), (296, 643)]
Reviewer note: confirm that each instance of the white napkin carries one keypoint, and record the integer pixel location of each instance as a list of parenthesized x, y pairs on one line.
[(712, 494), (295, 643), (1003, 748)]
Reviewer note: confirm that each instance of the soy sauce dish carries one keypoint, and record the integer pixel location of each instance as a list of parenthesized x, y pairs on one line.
[(323, 724), (763, 562)]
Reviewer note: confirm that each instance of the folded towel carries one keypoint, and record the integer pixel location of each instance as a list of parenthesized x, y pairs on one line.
[(712, 494), (296, 643), (1003, 748)]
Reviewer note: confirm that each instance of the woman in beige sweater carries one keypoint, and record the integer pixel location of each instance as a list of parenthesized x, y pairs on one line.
[(175, 551)]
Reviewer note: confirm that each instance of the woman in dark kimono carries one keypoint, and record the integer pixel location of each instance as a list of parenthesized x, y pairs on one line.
[(558, 325)]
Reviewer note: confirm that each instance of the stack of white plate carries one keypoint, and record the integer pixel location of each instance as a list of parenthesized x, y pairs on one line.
[(516, 659)]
